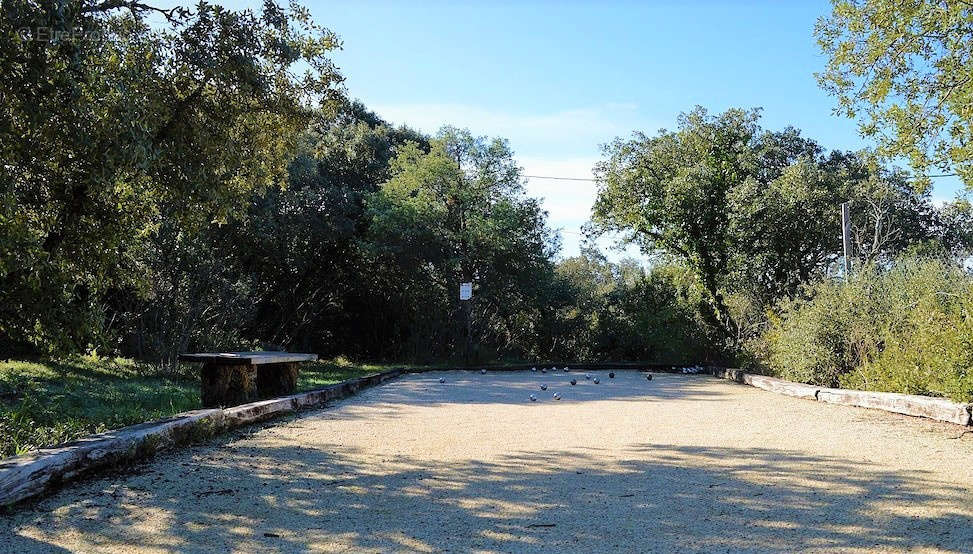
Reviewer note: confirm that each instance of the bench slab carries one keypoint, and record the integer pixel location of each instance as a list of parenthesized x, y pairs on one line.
[(232, 378), (251, 358)]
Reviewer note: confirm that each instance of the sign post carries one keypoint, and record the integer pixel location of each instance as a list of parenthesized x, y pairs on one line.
[(465, 296)]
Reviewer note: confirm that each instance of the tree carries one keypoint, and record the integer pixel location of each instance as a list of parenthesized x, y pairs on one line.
[(113, 127), (196, 297), (288, 273), (304, 244), (458, 213), (589, 279), (750, 211), (907, 70), (622, 311), (670, 193)]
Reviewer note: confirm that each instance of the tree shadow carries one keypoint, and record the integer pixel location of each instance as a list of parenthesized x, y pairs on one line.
[(515, 387), (246, 496)]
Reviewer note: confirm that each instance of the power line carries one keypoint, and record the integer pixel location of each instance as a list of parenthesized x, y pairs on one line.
[(558, 178)]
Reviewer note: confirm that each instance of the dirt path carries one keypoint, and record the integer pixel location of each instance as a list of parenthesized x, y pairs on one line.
[(687, 463)]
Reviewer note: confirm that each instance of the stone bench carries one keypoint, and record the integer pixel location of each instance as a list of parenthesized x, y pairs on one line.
[(232, 378)]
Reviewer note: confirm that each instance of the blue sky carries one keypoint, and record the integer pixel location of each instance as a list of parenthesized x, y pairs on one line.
[(558, 79)]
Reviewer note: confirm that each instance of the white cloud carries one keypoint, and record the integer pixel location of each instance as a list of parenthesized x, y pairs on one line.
[(571, 132), (558, 144), (568, 202)]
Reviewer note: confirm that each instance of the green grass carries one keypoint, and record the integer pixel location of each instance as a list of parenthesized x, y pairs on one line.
[(46, 403), (51, 402), (315, 375)]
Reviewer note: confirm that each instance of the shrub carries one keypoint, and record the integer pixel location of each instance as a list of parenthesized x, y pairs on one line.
[(657, 317), (903, 328)]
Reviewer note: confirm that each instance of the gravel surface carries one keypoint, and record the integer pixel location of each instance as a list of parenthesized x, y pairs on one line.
[(679, 463)]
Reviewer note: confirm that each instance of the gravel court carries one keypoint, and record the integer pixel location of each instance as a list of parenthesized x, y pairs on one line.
[(679, 463)]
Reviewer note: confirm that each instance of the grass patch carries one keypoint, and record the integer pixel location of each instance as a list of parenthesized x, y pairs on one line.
[(50, 402), (46, 403), (315, 375)]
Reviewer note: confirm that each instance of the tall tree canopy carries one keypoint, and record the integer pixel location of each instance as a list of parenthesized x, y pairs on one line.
[(673, 193), (905, 68), (749, 210), (287, 273), (305, 243), (458, 213), (111, 126)]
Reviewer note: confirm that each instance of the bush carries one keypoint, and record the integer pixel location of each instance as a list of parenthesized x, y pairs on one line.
[(609, 311), (905, 328), (657, 317)]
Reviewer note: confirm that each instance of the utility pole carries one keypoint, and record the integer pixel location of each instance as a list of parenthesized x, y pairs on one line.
[(846, 236)]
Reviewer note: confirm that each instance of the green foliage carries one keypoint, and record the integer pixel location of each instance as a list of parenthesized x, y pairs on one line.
[(458, 213), (904, 69), (287, 272), (315, 375), (623, 312), (656, 317), (197, 297), (44, 404), (669, 193), (305, 246), (754, 212), (122, 127), (907, 328)]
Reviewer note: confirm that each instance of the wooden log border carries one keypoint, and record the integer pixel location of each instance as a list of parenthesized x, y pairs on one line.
[(32, 475), (37, 473), (919, 406)]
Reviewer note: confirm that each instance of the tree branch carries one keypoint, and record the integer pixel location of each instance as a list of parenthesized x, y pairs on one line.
[(175, 15)]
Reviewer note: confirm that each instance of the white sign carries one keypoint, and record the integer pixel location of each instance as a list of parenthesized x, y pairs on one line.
[(465, 291)]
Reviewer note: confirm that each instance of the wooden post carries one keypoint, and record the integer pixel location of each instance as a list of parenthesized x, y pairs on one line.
[(228, 384), (468, 315), (276, 379), (846, 236), (466, 301)]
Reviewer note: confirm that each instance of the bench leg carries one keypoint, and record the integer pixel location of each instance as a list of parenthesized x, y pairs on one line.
[(276, 379), (228, 384)]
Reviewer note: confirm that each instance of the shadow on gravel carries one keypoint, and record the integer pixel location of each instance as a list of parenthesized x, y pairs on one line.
[(673, 499), (514, 387)]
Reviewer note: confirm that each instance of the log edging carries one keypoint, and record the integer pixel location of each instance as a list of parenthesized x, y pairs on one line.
[(31, 475), (929, 407), (37, 473)]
